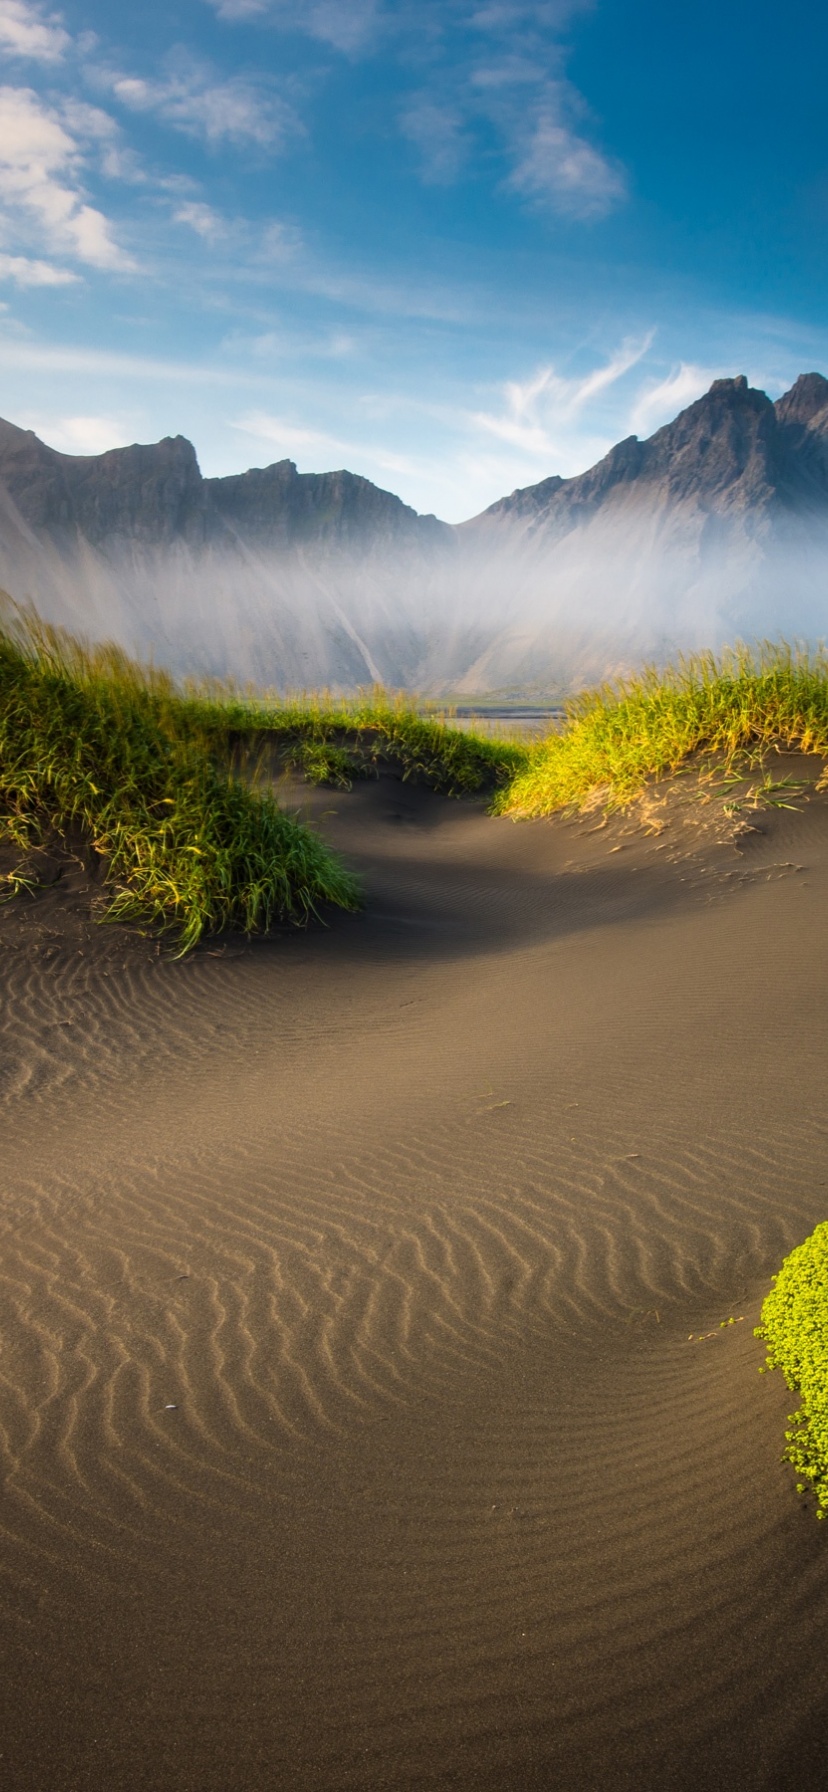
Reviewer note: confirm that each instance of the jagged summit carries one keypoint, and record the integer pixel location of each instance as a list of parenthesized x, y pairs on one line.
[(279, 503), (714, 526), (731, 450), (155, 492), (807, 399)]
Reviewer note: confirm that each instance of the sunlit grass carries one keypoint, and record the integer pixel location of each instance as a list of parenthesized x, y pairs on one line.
[(162, 782), (161, 779), (351, 735), (90, 742), (617, 739), (794, 1325)]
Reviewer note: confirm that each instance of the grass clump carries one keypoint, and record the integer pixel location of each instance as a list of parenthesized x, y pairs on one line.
[(157, 777), (157, 780), (322, 762), (333, 740), (794, 1325), (90, 742), (618, 738)]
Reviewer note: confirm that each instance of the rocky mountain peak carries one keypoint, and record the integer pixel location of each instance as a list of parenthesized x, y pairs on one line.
[(277, 504), (729, 387), (807, 398)]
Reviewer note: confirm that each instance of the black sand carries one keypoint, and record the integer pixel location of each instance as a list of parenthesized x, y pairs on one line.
[(352, 1432)]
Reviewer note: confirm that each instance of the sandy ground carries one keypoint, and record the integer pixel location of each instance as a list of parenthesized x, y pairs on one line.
[(353, 1432)]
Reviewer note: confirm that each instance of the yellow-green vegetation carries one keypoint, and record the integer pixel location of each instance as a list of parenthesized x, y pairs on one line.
[(157, 781), (616, 739), (794, 1325), (90, 743), (334, 740)]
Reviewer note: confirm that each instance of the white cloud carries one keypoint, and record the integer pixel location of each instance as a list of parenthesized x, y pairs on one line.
[(89, 122), (80, 435), (288, 438), (660, 403), (437, 132), (28, 32), (39, 180), (560, 168), (279, 242), (260, 249), (540, 14), (25, 272), (189, 98), (108, 364), (537, 409), (499, 65), (207, 223), (346, 25)]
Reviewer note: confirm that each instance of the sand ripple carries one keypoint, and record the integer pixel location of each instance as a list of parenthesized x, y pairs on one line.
[(352, 1431)]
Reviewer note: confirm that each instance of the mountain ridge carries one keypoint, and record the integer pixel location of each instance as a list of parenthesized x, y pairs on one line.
[(669, 542), (755, 447)]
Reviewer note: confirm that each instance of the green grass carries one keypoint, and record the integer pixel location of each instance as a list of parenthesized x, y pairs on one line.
[(90, 743), (162, 782), (794, 1325), (333, 740), (617, 739)]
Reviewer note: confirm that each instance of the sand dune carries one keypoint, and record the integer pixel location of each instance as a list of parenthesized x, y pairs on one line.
[(353, 1435)]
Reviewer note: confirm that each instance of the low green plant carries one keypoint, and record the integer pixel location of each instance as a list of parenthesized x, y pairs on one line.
[(158, 777), (616, 739), (90, 742), (370, 727), (322, 762), (164, 782), (794, 1326)]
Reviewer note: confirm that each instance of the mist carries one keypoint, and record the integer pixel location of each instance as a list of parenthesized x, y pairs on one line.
[(473, 617)]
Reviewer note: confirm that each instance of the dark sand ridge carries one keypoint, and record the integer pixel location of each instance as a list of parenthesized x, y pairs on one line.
[(408, 1222)]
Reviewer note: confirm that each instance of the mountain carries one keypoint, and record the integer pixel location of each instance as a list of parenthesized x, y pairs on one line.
[(270, 574), (731, 454), (715, 526), (157, 494)]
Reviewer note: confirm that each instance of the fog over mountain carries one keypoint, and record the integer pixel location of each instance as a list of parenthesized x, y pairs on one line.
[(714, 528)]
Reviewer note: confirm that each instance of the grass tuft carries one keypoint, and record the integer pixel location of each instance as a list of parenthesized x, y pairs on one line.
[(794, 1325), (332, 739), (158, 777), (618, 738), (90, 741), (158, 780)]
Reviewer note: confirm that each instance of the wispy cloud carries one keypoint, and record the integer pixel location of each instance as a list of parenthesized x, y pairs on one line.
[(204, 220), (40, 181), (437, 131), (536, 410), (31, 33), (190, 98), (558, 167), (26, 272), (507, 77), (78, 435), (288, 438), (291, 440), (43, 357), (348, 25), (483, 68), (660, 402)]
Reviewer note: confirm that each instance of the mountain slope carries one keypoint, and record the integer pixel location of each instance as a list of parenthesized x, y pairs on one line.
[(733, 453), (717, 525)]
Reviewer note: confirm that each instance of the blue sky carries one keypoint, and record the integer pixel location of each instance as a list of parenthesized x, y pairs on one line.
[(454, 245)]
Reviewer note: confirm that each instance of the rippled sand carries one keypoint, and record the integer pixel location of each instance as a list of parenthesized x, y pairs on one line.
[(352, 1433)]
